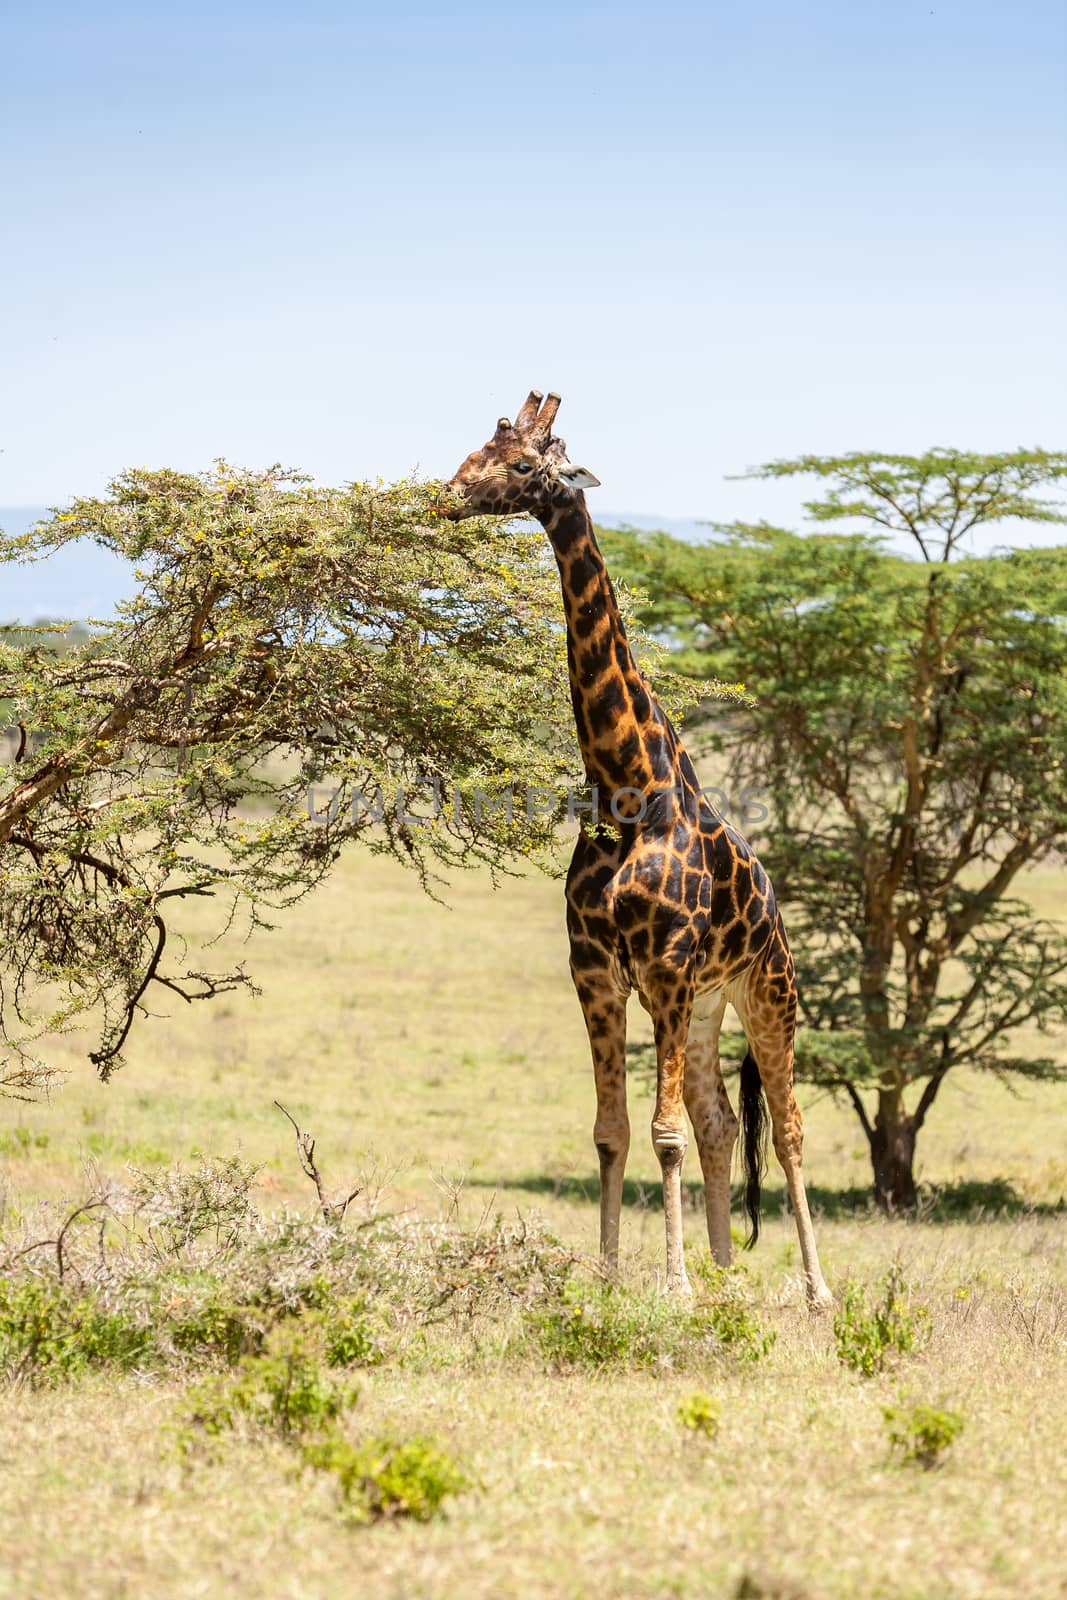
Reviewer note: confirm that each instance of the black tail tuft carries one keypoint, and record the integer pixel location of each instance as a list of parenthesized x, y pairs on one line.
[(753, 1141)]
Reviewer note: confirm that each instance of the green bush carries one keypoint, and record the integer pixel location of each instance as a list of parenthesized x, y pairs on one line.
[(385, 1478), (722, 1300), (605, 1326), (347, 1337), (867, 1337), (48, 1332), (177, 1207), (700, 1414), (201, 1320), (284, 1389), (738, 1331), (921, 1434)]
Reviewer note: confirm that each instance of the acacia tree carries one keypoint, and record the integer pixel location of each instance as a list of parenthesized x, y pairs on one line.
[(909, 725), (284, 637)]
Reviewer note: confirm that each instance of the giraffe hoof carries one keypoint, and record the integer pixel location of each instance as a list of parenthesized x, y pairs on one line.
[(820, 1300)]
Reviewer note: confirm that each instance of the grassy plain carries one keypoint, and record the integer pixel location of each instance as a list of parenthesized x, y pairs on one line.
[(440, 1050)]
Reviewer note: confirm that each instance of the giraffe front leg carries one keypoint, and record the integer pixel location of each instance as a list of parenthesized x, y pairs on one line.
[(670, 1012), (604, 1010)]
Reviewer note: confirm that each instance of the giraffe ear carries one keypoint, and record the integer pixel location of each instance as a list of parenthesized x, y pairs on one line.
[(576, 477)]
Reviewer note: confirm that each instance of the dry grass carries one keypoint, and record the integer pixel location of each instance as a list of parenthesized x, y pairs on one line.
[(446, 1045)]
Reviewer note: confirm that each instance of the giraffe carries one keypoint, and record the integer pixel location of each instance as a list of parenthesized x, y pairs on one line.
[(671, 902)]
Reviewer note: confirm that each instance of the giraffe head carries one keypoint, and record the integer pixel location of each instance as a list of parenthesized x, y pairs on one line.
[(523, 469)]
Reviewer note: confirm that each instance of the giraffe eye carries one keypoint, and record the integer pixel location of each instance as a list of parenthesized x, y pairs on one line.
[(522, 466)]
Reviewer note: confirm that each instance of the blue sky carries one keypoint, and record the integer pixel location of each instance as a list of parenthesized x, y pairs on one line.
[(348, 237)]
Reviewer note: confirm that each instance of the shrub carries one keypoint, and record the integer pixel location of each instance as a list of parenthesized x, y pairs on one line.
[(738, 1332), (177, 1207), (385, 1478), (606, 1326), (722, 1299), (497, 1268), (202, 1279), (700, 1414), (867, 1337), (921, 1434), (284, 1389), (200, 1319), (48, 1332), (347, 1337)]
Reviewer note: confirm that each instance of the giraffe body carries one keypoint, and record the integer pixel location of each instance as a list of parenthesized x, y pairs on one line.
[(671, 902)]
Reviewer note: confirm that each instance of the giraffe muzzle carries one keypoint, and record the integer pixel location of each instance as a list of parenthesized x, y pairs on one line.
[(453, 512)]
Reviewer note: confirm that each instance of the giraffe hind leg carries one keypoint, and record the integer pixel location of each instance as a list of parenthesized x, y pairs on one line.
[(714, 1123), (769, 1029)]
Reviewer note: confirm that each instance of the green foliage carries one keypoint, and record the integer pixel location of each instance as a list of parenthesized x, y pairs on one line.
[(700, 1414), (723, 1301), (868, 1337), (287, 1391), (348, 1339), (47, 1332), (920, 1433), (935, 499), (599, 1326), (283, 636), (179, 1206), (909, 733), (738, 1331), (201, 1320), (284, 1389), (171, 1285), (386, 1478)]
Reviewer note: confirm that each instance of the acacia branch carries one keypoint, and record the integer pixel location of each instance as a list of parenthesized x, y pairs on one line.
[(861, 1111), (103, 1058), (933, 1083), (332, 1211), (960, 923), (90, 1205)]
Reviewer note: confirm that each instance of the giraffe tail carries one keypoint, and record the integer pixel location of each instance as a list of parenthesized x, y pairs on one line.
[(753, 1141)]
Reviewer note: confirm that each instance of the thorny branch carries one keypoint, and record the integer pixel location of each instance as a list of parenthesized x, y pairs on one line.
[(332, 1211), (284, 636)]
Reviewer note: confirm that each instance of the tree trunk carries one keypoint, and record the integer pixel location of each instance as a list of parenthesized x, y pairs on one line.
[(893, 1153)]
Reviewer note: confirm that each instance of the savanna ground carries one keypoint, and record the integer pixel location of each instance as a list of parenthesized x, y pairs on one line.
[(439, 1055)]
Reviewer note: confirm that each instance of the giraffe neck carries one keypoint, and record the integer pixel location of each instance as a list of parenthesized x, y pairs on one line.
[(626, 739)]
